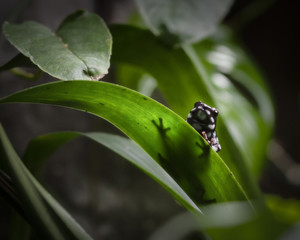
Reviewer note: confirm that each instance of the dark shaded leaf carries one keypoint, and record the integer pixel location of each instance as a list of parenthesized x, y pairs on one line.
[(18, 61), (47, 217), (40, 148), (33, 205)]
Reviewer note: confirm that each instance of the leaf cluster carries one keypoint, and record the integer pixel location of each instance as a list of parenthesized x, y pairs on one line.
[(191, 57)]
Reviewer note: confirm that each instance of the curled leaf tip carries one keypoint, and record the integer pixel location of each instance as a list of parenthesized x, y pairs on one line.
[(93, 73)]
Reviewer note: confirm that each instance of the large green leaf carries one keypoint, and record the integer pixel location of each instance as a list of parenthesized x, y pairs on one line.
[(40, 148), (47, 217), (183, 81), (164, 135), (80, 49), (177, 21)]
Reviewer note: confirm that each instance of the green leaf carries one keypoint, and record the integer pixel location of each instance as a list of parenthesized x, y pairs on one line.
[(27, 75), (219, 216), (178, 22), (224, 221), (80, 49), (47, 217), (16, 65), (40, 148), (287, 210), (262, 226), (35, 209), (183, 82), (164, 135), (136, 79), (69, 227)]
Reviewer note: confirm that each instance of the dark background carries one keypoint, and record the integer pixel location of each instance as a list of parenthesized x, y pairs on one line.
[(108, 196)]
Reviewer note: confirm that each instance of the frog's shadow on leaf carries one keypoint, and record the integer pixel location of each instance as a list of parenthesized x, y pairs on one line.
[(184, 166), (160, 127)]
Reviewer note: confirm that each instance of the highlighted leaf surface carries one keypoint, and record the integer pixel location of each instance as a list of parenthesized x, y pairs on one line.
[(185, 76), (164, 135)]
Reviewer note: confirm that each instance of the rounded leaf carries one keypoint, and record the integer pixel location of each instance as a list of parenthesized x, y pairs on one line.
[(80, 50)]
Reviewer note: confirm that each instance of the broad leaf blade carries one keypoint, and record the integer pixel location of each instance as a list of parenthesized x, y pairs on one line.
[(182, 83), (40, 148), (165, 136), (88, 37), (178, 22), (79, 50)]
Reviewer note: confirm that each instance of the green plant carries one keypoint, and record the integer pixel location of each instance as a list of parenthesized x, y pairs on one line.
[(184, 60)]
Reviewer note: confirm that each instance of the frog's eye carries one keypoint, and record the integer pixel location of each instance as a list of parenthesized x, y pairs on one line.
[(201, 115), (215, 112)]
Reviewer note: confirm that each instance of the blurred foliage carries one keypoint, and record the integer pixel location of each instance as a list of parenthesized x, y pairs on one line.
[(189, 62)]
